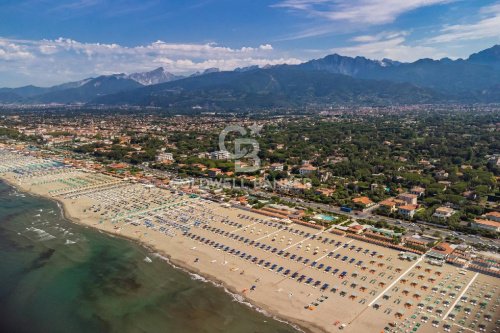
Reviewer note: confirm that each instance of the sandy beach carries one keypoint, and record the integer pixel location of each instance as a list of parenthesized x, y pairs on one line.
[(316, 280)]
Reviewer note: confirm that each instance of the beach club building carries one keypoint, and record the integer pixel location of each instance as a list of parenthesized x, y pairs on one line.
[(486, 225), (493, 216)]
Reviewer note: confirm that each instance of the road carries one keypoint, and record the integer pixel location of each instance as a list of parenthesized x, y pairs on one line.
[(369, 215)]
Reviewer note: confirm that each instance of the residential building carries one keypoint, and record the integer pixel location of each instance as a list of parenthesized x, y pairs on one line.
[(307, 169), (363, 201), (327, 192), (199, 166), (165, 157), (276, 167), (289, 186), (214, 172), (418, 191), (220, 155), (407, 211), (443, 212), (388, 204), (441, 175), (409, 198)]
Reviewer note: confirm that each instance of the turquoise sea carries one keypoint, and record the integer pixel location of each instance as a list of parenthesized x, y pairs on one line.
[(56, 276)]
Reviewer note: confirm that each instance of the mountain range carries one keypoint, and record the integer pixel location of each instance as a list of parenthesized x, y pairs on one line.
[(334, 79)]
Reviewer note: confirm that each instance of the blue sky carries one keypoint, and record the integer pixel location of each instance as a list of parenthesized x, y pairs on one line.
[(46, 42)]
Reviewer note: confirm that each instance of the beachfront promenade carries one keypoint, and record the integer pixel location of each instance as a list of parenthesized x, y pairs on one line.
[(314, 278)]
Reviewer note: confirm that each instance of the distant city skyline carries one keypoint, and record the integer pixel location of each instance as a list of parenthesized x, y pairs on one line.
[(49, 42)]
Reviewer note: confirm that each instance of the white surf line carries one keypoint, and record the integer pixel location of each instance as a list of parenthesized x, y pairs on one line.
[(459, 297), (286, 248), (396, 281), (272, 233), (317, 260)]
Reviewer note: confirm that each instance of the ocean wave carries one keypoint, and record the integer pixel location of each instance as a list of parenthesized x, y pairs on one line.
[(69, 242), (42, 234), (236, 297)]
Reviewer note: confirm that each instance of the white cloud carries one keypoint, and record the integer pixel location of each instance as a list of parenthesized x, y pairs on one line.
[(392, 45), (46, 62), (360, 12), (13, 52), (488, 26)]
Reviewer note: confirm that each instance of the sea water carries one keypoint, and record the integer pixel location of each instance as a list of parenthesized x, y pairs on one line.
[(56, 276)]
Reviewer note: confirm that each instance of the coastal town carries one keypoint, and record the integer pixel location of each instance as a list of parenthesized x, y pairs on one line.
[(406, 240), (404, 183), (276, 166)]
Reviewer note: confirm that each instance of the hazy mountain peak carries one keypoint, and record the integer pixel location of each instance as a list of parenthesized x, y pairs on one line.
[(158, 75), (211, 70), (490, 56), (206, 71), (247, 68), (474, 79)]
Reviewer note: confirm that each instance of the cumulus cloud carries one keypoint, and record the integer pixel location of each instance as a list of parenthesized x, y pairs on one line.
[(10, 51), (54, 61)]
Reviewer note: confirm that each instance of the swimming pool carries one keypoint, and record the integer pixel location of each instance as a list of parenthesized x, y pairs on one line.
[(325, 217)]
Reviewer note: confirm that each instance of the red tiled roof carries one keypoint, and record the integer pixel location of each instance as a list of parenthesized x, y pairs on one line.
[(487, 222)]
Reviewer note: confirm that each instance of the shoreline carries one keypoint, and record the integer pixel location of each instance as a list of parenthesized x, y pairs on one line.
[(312, 281), (192, 271)]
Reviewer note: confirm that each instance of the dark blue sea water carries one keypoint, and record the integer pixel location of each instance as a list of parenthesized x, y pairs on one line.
[(56, 276)]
